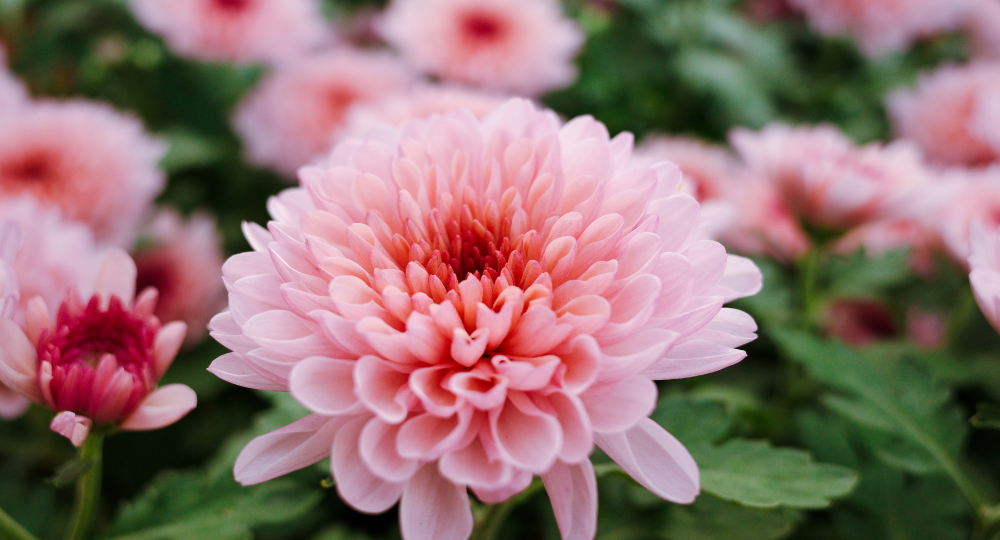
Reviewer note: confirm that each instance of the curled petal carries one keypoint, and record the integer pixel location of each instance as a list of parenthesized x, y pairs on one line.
[(433, 508), (356, 484), (525, 436), (655, 459), (168, 341), (382, 389), (378, 449), (324, 385), (162, 407), (72, 426), (297, 445)]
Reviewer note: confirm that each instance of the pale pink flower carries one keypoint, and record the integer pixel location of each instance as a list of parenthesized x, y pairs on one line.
[(419, 102), (13, 94), (974, 198), (55, 254), (183, 262), (983, 26), (763, 224), (465, 304), (96, 363), (881, 26), (292, 117), (523, 46), (12, 404), (101, 168), (887, 235), (984, 261), (235, 30), (827, 180), (942, 114)]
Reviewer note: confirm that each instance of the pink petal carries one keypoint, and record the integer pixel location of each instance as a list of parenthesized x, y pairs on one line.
[(519, 481), (378, 449), (356, 484), (471, 466), (382, 389), (297, 445), (432, 508), (18, 361), (12, 404), (161, 407), (618, 406), (116, 277), (525, 436), (324, 385), (572, 489), (635, 354), (232, 368), (578, 435), (655, 459), (428, 436), (536, 333), (72, 426), (742, 278), (168, 341)]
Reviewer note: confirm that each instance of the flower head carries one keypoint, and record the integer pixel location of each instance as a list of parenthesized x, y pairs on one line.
[(943, 114), (523, 46), (827, 180), (969, 197), (183, 262), (96, 363), (984, 260), (12, 405), (465, 304), (100, 170), (235, 30), (292, 117), (13, 94), (880, 26)]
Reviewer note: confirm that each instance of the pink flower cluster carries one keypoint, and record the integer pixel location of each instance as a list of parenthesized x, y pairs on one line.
[(464, 304)]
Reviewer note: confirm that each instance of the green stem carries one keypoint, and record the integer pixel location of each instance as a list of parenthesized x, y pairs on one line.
[(12, 530), (88, 490), (808, 275), (490, 517)]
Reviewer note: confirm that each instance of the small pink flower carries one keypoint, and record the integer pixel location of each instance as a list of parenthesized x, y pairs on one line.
[(927, 329), (983, 26), (881, 26), (12, 405), (235, 30), (419, 102), (55, 255), (827, 180), (859, 322), (523, 46), (466, 304), (942, 114), (101, 169), (984, 260), (292, 117), (183, 262), (97, 363)]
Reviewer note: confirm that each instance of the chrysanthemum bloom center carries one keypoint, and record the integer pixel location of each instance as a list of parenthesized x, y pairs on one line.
[(483, 28), (232, 5), (33, 168), (97, 362)]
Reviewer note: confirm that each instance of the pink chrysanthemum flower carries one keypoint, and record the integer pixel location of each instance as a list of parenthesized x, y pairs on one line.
[(973, 198), (466, 304), (942, 114), (101, 169), (523, 46), (183, 262), (984, 260), (12, 404), (55, 256), (293, 116), (880, 26), (419, 102), (13, 94), (827, 180), (97, 362), (235, 30)]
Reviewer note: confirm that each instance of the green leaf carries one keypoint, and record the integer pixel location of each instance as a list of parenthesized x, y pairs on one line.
[(188, 149), (862, 274), (754, 473), (710, 518), (987, 416), (692, 421)]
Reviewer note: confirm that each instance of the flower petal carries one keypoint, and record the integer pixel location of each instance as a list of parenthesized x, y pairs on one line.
[(72, 426), (572, 489), (433, 508), (356, 484), (232, 368), (655, 459), (161, 407), (18, 361), (297, 445), (324, 385)]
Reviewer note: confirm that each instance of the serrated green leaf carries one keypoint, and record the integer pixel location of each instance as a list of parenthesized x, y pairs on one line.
[(710, 518), (754, 473), (692, 421)]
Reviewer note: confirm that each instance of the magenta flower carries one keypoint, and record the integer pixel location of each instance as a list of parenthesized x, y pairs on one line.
[(466, 304), (97, 363)]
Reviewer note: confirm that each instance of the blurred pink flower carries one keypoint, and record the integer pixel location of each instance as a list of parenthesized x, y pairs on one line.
[(858, 322), (419, 102), (12, 404), (101, 169), (881, 26), (13, 94), (183, 262), (983, 26), (984, 261), (973, 198), (522, 46), (55, 256), (763, 223), (887, 235), (292, 117), (97, 363), (827, 180), (467, 304), (235, 30), (942, 114), (927, 329)]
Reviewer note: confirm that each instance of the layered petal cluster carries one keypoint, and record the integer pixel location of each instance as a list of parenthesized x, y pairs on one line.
[(949, 114), (419, 102), (55, 255), (828, 181), (521, 46), (183, 262), (292, 117), (235, 30), (466, 304), (96, 363), (101, 169), (12, 404), (984, 261), (880, 26)]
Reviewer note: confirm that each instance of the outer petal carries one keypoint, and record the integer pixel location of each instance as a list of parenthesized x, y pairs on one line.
[(741, 278), (233, 369), (432, 508), (168, 341), (72, 426), (12, 405), (162, 407), (357, 485), (18, 361), (324, 385), (297, 445), (116, 277), (572, 489), (655, 459)]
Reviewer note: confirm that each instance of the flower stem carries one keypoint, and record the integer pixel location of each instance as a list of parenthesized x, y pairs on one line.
[(88, 490), (12, 530), (808, 275), (490, 519)]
